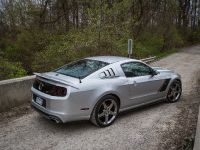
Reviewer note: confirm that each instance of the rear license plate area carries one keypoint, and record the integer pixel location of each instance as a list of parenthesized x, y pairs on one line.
[(40, 101)]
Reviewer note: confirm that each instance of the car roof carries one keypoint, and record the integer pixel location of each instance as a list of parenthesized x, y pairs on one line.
[(110, 59)]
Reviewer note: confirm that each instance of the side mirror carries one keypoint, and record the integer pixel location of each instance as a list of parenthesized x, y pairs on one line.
[(154, 72)]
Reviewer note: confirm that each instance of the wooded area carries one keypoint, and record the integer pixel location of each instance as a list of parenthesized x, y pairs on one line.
[(39, 35)]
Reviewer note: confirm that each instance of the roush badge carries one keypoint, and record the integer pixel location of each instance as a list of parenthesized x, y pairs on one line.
[(41, 85)]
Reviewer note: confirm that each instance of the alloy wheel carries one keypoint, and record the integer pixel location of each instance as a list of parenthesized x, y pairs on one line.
[(174, 92), (107, 111)]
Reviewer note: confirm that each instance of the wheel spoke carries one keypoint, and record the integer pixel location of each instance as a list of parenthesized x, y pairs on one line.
[(106, 119), (113, 113), (176, 86), (111, 105), (174, 94), (101, 115), (179, 90), (104, 105), (171, 93)]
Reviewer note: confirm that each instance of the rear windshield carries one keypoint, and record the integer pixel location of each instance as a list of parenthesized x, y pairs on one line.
[(81, 68)]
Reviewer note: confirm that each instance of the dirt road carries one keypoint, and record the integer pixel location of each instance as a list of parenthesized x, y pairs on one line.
[(159, 126)]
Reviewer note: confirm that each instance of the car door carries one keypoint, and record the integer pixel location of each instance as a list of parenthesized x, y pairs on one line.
[(144, 86)]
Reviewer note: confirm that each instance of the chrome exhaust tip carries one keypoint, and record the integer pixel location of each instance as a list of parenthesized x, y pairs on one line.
[(54, 119)]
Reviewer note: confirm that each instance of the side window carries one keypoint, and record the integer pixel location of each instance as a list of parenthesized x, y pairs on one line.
[(135, 69)]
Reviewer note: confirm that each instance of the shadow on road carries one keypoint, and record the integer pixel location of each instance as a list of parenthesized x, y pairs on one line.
[(84, 124)]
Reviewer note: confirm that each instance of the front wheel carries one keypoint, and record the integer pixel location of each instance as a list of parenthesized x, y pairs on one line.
[(174, 92), (105, 111)]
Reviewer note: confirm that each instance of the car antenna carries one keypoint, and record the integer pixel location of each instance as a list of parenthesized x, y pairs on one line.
[(79, 79)]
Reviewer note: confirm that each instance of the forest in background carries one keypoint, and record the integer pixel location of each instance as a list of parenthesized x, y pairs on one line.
[(40, 35)]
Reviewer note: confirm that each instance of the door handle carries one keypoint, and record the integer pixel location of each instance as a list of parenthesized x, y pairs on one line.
[(134, 83)]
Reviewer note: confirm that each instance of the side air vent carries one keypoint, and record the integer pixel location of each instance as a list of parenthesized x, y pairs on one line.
[(164, 86), (109, 73)]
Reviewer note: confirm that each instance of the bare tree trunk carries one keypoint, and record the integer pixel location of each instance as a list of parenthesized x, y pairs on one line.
[(77, 15), (195, 14), (42, 14), (66, 14)]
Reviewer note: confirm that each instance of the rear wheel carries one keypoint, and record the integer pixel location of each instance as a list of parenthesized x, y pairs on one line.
[(174, 92), (105, 111)]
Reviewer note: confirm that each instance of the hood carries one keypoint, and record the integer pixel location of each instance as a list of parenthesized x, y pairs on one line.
[(59, 78), (159, 69)]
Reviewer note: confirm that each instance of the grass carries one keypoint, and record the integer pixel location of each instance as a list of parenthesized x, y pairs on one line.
[(151, 52), (166, 53), (187, 145)]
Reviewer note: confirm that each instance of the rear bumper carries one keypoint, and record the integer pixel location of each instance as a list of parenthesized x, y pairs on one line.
[(64, 109), (47, 115), (58, 117)]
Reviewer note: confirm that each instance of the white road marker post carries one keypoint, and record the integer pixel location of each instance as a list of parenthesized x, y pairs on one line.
[(130, 47)]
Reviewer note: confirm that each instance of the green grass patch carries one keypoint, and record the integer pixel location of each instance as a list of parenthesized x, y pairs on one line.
[(166, 53)]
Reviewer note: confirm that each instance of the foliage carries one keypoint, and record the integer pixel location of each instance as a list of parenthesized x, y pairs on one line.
[(11, 70), (39, 36), (27, 43), (75, 45), (194, 36), (54, 55)]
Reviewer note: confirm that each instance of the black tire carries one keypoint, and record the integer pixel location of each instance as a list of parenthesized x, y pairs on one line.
[(99, 110), (174, 92)]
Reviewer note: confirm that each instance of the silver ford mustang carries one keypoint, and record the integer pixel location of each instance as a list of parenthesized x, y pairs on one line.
[(98, 88)]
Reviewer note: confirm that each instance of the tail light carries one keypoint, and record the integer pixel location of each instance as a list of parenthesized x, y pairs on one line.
[(58, 91), (50, 89)]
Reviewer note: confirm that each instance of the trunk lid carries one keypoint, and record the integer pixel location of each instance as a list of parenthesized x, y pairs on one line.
[(59, 78)]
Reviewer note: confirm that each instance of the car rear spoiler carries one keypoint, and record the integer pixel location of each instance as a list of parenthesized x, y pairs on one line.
[(54, 79)]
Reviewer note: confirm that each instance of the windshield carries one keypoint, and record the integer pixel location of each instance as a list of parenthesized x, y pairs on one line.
[(81, 68)]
